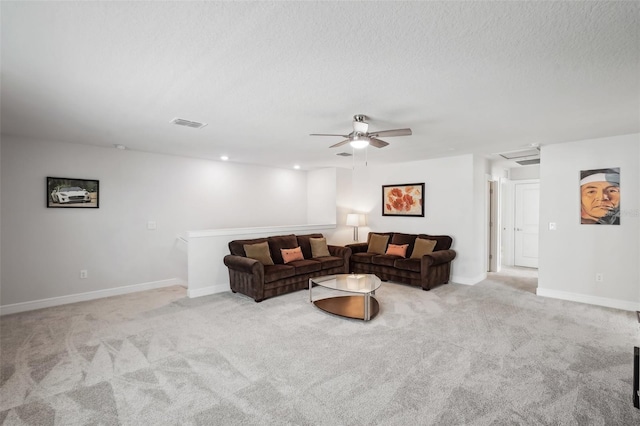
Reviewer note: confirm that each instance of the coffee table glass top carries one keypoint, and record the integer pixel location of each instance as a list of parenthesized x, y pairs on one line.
[(352, 283)]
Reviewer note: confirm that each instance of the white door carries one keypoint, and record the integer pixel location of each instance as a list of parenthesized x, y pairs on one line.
[(526, 224)]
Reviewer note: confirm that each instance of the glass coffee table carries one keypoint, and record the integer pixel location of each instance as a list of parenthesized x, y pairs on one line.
[(360, 305)]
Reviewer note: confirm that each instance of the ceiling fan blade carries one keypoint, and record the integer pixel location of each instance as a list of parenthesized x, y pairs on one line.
[(377, 143), (328, 134), (340, 143), (395, 132)]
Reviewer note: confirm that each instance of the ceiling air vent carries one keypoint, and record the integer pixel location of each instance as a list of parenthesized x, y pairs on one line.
[(344, 154), (528, 162), (532, 152), (187, 123)]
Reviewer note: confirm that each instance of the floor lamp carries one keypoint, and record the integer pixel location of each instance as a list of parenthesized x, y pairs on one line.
[(355, 220)]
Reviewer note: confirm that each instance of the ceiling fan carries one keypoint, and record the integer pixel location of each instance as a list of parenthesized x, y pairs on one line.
[(361, 137)]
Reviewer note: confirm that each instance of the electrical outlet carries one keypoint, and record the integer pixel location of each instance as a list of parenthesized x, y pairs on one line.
[(151, 225), (84, 273), (599, 278)]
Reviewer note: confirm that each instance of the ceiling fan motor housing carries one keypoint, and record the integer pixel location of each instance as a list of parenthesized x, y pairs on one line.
[(360, 127)]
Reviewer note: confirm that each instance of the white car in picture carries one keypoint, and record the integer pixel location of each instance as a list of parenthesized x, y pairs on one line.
[(70, 194)]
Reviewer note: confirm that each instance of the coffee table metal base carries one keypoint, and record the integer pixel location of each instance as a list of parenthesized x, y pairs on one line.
[(350, 306)]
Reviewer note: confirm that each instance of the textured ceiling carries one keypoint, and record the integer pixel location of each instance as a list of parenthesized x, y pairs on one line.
[(467, 77)]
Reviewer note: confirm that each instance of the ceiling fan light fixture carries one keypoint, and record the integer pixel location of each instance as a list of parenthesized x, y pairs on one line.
[(359, 142)]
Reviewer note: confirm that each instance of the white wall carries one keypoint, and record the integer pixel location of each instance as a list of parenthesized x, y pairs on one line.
[(43, 249), (454, 205), (480, 219), (571, 256), (321, 187), (345, 204), (525, 172)]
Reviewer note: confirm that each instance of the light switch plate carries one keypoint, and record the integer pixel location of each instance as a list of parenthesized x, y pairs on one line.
[(151, 225), (552, 226)]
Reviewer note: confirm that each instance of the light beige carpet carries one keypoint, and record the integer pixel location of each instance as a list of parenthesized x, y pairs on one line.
[(490, 354)]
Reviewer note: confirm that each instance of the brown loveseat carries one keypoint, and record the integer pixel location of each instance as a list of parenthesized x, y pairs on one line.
[(427, 271), (260, 281)]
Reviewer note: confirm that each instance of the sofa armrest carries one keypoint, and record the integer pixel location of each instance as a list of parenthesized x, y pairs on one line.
[(438, 257), (358, 247), (243, 264), (340, 251), (246, 276)]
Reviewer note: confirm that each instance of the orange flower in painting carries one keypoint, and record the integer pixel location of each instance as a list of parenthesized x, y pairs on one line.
[(396, 192), (397, 203), (408, 201)]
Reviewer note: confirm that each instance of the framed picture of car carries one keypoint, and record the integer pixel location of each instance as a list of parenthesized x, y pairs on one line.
[(71, 192)]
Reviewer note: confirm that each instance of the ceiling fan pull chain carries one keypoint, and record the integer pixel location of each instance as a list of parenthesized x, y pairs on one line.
[(353, 159)]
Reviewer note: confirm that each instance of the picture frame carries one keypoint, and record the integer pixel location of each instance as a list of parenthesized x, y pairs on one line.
[(72, 193), (403, 200), (600, 196)]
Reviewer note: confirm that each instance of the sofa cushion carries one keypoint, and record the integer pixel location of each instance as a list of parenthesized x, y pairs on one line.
[(400, 238), (384, 259), (305, 243), (398, 250), (281, 242), (363, 257), (377, 243), (306, 266), (328, 262), (259, 252), (289, 255), (443, 241), (408, 264), (422, 247), (277, 272), (236, 247), (319, 247)]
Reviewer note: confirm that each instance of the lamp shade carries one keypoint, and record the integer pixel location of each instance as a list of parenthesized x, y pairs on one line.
[(355, 219)]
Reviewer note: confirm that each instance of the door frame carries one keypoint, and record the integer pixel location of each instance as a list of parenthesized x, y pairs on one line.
[(509, 219), (515, 224), (493, 226)]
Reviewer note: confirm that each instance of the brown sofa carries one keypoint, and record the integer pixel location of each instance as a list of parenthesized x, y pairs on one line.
[(250, 277), (427, 272)]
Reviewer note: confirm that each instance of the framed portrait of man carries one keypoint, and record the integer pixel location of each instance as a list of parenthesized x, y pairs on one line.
[(600, 196)]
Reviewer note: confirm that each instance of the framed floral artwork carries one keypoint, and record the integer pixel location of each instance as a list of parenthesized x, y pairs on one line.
[(403, 200)]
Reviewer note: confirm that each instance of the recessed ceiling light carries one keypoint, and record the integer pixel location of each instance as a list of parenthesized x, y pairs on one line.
[(224, 158), (119, 146), (297, 167)]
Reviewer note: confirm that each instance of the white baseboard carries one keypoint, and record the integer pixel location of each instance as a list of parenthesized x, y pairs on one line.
[(591, 300), (91, 295), (468, 280), (208, 290)]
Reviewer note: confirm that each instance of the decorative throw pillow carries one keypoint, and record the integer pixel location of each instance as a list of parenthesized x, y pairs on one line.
[(422, 247), (289, 255), (259, 252), (319, 247), (398, 250), (377, 243)]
